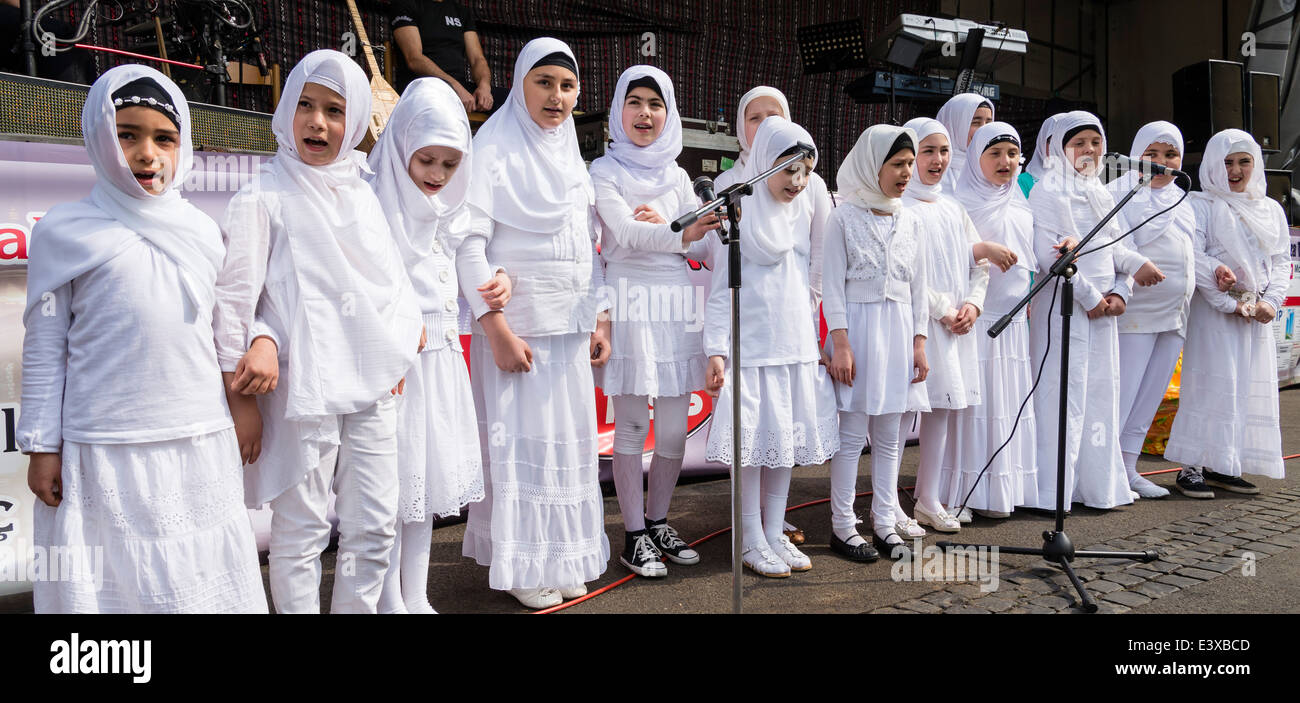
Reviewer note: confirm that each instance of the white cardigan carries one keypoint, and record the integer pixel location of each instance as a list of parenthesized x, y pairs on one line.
[(872, 258)]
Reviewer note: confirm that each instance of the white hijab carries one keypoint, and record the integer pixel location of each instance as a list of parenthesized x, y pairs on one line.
[(649, 170), (73, 238), (859, 175), (1138, 209), (1247, 224), (956, 116), (1038, 163), (916, 190), (770, 226), (762, 91), (355, 302), (527, 177), (429, 114), (988, 204), (1066, 192)]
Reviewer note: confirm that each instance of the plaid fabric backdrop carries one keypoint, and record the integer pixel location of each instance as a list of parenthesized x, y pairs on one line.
[(715, 51)]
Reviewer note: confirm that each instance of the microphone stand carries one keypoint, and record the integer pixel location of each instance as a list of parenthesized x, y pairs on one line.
[(1057, 547), (729, 199)]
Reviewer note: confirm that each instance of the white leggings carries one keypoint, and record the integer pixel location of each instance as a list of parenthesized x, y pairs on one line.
[(631, 425), (886, 455)]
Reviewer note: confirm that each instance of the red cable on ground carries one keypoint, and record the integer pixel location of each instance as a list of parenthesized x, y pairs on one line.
[(725, 530)]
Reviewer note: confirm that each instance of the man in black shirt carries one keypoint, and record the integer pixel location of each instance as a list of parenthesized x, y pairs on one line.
[(439, 38)]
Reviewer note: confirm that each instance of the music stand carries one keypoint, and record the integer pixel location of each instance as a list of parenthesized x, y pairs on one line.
[(830, 48)]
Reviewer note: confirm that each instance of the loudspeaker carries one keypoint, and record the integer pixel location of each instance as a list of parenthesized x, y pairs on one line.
[(1279, 188), (1208, 98), (1262, 110)]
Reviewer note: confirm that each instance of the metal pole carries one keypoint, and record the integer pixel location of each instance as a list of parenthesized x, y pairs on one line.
[(26, 40), (737, 526)]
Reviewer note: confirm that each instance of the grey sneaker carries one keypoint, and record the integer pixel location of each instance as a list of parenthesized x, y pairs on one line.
[(1191, 484)]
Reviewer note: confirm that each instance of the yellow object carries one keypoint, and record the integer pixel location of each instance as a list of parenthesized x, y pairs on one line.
[(1158, 434)]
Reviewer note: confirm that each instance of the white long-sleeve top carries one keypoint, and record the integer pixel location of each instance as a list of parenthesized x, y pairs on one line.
[(627, 242), (777, 324), (558, 279), (953, 276), (1166, 305), (119, 356), (1095, 272), (871, 258), (1272, 270)]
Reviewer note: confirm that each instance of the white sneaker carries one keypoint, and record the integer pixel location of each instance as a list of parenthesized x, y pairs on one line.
[(790, 554), (1147, 489), (763, 561), (941, 521), (965, 517), (908, 528), (572, 592), (537, 598)]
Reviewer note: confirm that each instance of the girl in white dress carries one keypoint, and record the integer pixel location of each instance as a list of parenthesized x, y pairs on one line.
[(1154, 323), (756, 105), (1227, 422), (987, 189), (961, 116), (657, 353), (314, 284), (876, 305), (134, 458), (957, 281), (1067, 203), (540, 527), (421, 168), (787, 404)]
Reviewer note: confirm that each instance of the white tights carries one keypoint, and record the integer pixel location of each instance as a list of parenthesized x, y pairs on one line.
[(631, 425)]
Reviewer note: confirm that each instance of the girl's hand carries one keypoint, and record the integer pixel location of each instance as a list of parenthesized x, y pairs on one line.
[(1224, 278), (424, 339), (918, 360), (645, 213), (45, 477), (258, 371), (399, 388), (510, 353), (949, 319), (1067, 243), (1115, 305), (700, 229), (1264, 312), (965, 319), (1100, 310), (1149, 275), (600, 348), (496, 292), (1246, 310), (248, 425), (842, 367), (716, 375), (996, 254)]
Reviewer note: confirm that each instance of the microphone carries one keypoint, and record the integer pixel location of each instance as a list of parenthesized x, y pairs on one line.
[(704, 188), (1117, 161), (809, 151)]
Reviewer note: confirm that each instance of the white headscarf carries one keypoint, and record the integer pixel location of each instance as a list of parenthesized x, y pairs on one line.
[(73, 238), (755, 93), (987, 204), (355, 302), (859, 175), (1140, 208), (924, 127), (1038, 163), (527, 177), (1064, 188), (650, 169), (770, 226), (429, 114), (956, 116), (1252, 214)]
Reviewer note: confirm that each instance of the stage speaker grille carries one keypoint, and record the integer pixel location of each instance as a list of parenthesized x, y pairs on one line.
[(45, 108)]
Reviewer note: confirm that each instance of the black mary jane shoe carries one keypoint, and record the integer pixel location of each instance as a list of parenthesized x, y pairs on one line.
[(897, 551), (863, 552)]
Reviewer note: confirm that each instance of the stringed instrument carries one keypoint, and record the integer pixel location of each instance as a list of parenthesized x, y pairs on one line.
[(382, 96)]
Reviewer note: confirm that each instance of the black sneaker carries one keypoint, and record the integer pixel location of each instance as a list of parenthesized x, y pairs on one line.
[(1191, 484), (639, 555), (1229, 483), (665, 539)]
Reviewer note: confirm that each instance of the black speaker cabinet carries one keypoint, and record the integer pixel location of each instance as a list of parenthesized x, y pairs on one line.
[(1208, 98), (1263, 111), (1279, 188)]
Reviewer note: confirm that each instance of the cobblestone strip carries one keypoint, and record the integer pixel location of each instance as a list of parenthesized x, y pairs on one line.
[(1192, 551)]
